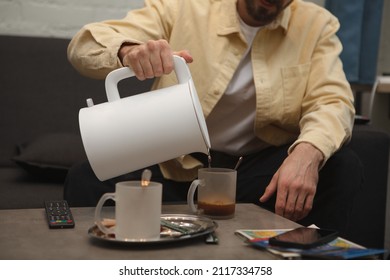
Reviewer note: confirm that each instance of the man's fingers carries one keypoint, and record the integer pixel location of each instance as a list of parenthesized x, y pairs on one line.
[(186, 55)]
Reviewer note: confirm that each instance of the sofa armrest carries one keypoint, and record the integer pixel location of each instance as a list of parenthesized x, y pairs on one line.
[(369, 214)]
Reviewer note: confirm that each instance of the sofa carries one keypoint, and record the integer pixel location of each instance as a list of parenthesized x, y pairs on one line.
[(41, 96)]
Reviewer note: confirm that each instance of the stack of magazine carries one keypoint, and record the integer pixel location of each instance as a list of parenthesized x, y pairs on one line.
[(339, 248)]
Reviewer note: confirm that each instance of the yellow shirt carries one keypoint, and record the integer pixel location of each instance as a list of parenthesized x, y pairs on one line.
[(302, 94)]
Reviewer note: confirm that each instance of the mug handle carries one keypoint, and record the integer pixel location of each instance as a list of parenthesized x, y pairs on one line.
[(190, 195), (183, 75), (98, 213)]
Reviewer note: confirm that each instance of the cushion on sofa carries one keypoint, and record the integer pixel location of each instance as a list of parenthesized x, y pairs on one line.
[(51, 155)]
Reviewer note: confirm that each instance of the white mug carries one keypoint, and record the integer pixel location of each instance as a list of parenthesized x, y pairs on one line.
[(137, 211), (131, 133)]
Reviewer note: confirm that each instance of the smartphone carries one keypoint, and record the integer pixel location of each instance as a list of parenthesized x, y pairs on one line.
[(303, 238)]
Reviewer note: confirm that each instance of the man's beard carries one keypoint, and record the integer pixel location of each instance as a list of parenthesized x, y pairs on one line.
[(263, 15)]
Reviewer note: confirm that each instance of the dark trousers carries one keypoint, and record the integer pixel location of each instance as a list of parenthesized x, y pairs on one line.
[(339, 181)]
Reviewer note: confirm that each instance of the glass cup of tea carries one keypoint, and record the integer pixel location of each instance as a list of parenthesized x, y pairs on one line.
[(216, 193)]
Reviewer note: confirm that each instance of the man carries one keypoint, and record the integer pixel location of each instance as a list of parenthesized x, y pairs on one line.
[(272, 88)]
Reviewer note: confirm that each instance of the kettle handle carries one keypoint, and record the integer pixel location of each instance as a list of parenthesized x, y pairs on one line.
[(181, 69)]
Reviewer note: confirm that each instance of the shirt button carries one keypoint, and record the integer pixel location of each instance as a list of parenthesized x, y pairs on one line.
[(216, 92)]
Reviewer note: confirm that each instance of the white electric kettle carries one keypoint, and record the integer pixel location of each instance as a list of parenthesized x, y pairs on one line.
[(127, 134)]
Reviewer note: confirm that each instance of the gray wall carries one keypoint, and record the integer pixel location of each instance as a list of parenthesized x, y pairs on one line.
[(58, 18)]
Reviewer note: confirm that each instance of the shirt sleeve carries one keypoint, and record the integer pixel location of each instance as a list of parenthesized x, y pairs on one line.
[(327, 109)]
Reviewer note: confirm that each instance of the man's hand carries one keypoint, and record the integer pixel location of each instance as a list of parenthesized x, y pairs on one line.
[(295, 182), (152, 59)]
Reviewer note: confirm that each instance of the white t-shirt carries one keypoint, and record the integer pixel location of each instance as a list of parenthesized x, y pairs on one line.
[(231, 123)]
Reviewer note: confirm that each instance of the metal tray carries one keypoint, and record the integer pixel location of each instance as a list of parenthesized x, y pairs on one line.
[(174, 228)]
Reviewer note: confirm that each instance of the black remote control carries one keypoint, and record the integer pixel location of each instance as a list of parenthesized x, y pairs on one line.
[(58, 214)]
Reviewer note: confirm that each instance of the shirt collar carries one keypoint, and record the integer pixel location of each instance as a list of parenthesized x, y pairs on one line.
[(229, 23)]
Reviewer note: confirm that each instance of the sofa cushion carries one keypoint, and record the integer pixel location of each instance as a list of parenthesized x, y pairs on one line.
[(51, 155)]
